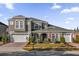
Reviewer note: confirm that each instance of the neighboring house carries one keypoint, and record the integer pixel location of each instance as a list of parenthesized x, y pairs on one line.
[(3, 29), (21, 28)]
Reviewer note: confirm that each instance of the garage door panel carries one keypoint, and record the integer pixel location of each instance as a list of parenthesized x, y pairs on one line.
[(20, 38)]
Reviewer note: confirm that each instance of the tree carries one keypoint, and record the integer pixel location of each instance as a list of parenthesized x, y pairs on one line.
[(30, 40)]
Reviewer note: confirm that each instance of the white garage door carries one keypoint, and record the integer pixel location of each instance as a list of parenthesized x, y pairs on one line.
[(20, 38)]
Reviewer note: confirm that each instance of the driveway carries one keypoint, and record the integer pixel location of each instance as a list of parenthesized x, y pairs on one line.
[(74, 44), (1, 43), (12, 47)]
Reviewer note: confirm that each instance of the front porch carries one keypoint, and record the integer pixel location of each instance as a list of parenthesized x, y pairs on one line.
[(51, 37)]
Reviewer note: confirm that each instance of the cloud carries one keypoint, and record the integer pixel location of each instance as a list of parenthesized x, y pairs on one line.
[(1, 15), (46, 16), (9, 6), (73, 9), (69, 20), (55, 6)]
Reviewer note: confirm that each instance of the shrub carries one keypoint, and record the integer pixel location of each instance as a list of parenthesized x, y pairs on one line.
[(49, 40), (4, 39), (30, 40), (57, 42), (62, 39), (77, 39), (0, 38)]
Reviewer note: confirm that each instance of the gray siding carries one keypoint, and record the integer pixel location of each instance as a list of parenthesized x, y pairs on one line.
[(28, 23), (3, 28)]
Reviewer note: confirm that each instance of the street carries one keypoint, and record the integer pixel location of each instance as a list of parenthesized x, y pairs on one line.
[(42, 53)]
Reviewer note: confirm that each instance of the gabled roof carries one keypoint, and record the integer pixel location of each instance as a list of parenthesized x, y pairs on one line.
[(19, 16), (27, 18), (36, 19), (56, 27), (53, 29), (3, 24), (15, 17)]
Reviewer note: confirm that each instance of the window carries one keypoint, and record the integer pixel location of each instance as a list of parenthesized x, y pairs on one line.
[(17, 24), (36, 26), (11, 22), (21, 24), (43, 26)]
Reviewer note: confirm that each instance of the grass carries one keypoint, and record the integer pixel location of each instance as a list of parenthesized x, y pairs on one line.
[(45, 45), (49, 46)]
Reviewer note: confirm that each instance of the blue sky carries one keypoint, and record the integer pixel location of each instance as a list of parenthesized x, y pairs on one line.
[(65, 15)]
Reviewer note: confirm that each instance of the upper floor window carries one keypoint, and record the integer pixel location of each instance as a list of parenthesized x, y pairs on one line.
[(21, 24), (36, 26), (17, 24), (43, 26), (11, 22)]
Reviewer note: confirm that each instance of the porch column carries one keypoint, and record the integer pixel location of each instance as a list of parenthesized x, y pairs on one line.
[(49, 36), (39, 37), (53, 37), (58, 36), (70, 37), (29, 27)]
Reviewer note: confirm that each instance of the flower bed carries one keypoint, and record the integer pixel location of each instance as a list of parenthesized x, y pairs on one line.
[(49, 46)]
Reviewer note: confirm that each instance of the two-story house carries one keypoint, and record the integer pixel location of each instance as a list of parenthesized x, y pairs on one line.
[(21, 28)]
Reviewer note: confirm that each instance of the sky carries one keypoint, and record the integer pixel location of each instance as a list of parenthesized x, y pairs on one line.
[(64, 15)]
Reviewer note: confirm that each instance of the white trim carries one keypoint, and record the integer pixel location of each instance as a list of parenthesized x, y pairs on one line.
[(15, 24), (19, 24), (22, 24)]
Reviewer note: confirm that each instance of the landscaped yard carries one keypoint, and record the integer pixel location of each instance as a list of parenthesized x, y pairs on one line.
[(49, 46)]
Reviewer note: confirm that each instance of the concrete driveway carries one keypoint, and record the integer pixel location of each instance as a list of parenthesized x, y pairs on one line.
[(1, 43), (74, 44), (12, 47)]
